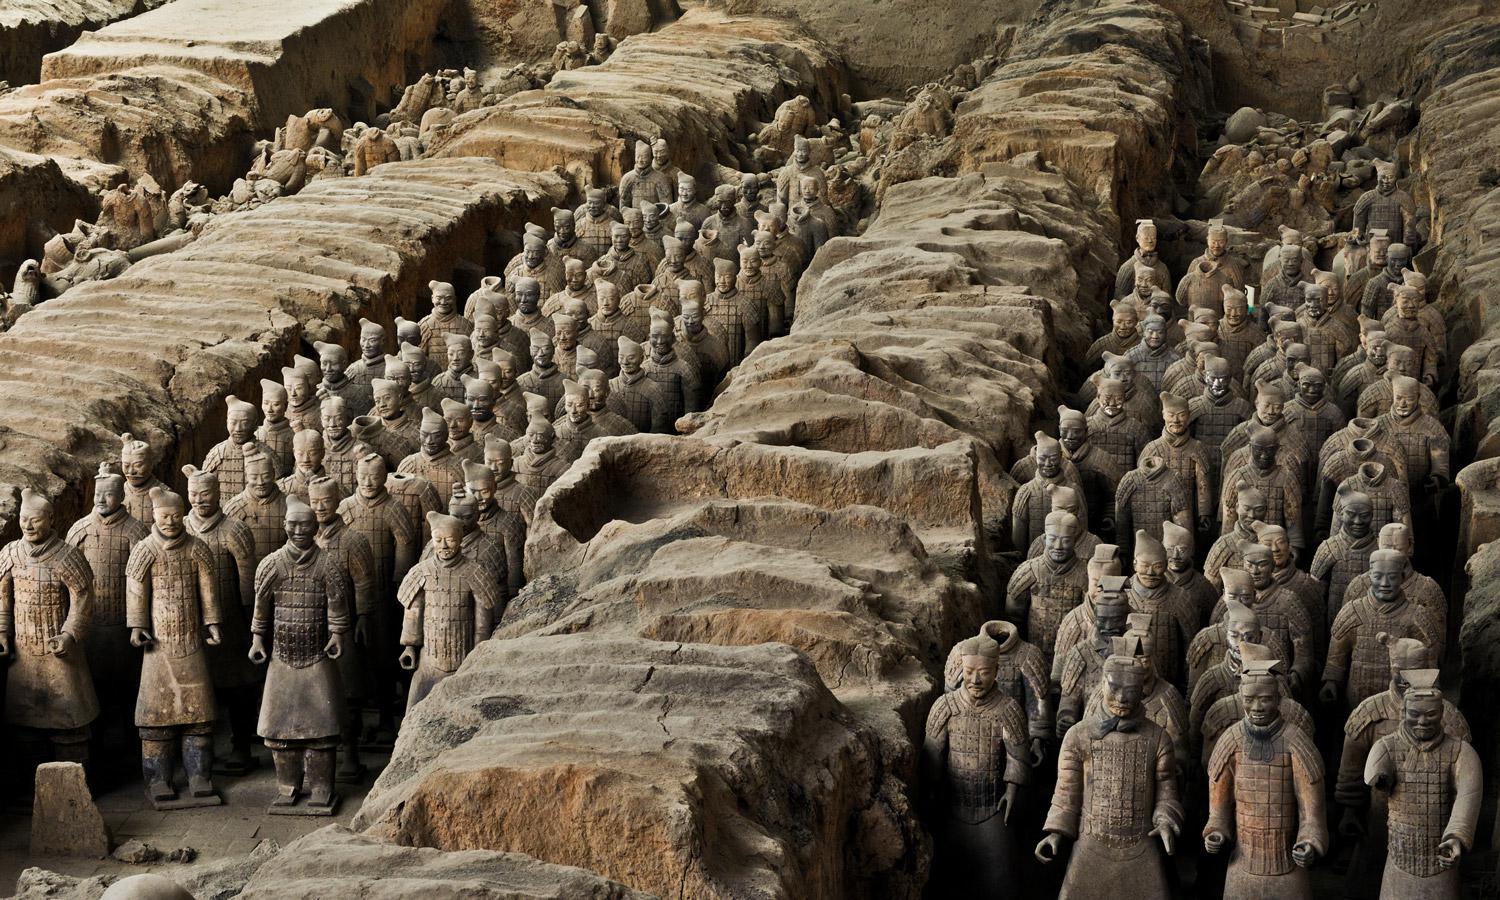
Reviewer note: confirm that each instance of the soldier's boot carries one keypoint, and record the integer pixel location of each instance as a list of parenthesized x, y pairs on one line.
[(320, 763), (288, 775), (198, 762), (156, 767)]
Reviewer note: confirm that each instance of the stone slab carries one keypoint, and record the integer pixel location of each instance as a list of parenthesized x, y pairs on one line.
[(64, 819)]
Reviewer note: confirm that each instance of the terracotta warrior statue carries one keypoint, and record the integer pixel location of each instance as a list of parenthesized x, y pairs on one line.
[(1188, 458), (674, 374), (1239, 334), (1046, 588), (1173, 620), (976, 758), (308, 452), (1217, 411), (236, 680), (1421, 589), (301, 597), (1031, 503), (1434, 787), (1357, 660), (638, 396), (275, 431), (1182, 572), (261, 505), (1145, 255), (1362, 440), (1148, 497), (450, 605), (1376, 299), (1265, 792), (46, 604), (1266, 471), (540, 465), (1097, 471), (1124, 334), (226, 459), (1078, 626), (1083, 669), (333, 360), (1387, 207), (564, 243), (105, 537), (1249, 508), (1116, 794), (449, 383), (1365, 812), (1346, 553), (1153, 355), (371, 362), (1114, 430), (1240, 626), (434, 462), (1021, 673), (351, 554), (300, 381), (173, 615), (1208, 275), (136, 461)]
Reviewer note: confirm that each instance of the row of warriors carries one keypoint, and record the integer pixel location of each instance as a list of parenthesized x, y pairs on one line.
[(1218, 598), (363, 526)]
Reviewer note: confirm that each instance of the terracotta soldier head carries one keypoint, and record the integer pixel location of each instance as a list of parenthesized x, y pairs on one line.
[(333, 359), (1238, 586), (630, 354), (324, 495), (308, 451), (575, 402), (1422, 705), (1174, 414), (1218, 239), (1315, 298), (542, 349), (479, 482), (109, 490), (407, 332), (1291, 262), (1264, 445), (662, 338), (1150, 561), (1260, 685), (540, 436), (447, 536), (1285, 334), (1258, 563), (456, 416), (371, 340), (1380, 245), (167, 511), (369, 476), (1273, 538), (1250, 504), (1387, 573), (1178, 543), (1112, 607), (1357, 512), (1061, 498), (433, 433), (1047, 454), (260, 473), (980, 658), (1060, 536), (202, 491), (1112, 393), (594, 202), (135, 460), (1104, 562), (1398, 257), (389, 397), (415, 363), (1072, 429), (239, 420), (1145, 240), (1120, 367), (300, 523), (1241, 625), (300, 381), (1311, 385), (1406, 398), (1218, 377), (1297, 354), (507, 369), (1125, 319), (564, 228), (1123, 682), (1154, 330), (273, 400), (460, 353), (528, 295), (498, 457)]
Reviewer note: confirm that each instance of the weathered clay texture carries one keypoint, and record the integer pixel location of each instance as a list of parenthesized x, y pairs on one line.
[(187, 328), (699, 83), (30, 29), (620, 755)]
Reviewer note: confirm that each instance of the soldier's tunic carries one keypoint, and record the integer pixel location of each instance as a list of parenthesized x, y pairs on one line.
[(278, 436), (1266, 795), (138, 499), (1116, 781), (449, 606), (1374, 719), (508, 530), (1340, 560), (306, 416), (1147, 497), (641, 402), (1191, 461), (1173, 624), (546, 381), (441, 470), (417, 497), (738, 320), (173, 585), (516, 497), (363, 372), (46, 590), (1225, 552), (977, 747), (1358, 660), (392, 539), (358, 397), (227, 460), (1121, 438), (300, 598), (1213, 419), (1021, 674), (1031, 504), (1161, 703), (1284, 628), (538, 471), (1199, 591), (1040, 594), (1152, 363), (678, 382), (232, 547), (264, 516), (350, 553), (341, 460), (105, 543), (295, 484), (1227, 710), (1437, 795)]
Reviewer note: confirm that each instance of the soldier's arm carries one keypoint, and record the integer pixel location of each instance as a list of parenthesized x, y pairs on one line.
[(1468, 794), (1349, 788), (1340, 646), (1169, 811), (1293, 507), (404, 536), (208, 584), (1067, 797), (267, 577), (362, 573), (79, 580), (138, 588), (1018, 595), (935, 744), (1307, 782), (241, 547), (1221, 771)]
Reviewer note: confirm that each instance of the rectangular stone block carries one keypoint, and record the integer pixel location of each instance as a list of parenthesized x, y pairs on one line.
[(64, 819)]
